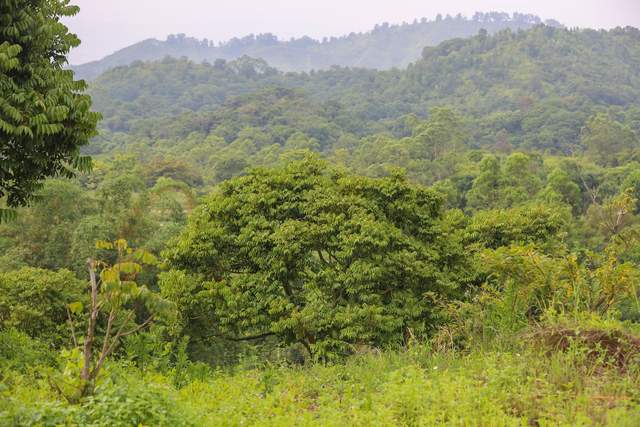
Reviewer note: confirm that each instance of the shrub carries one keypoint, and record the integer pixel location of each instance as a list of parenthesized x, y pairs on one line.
[(131, 405), (19, 413), (34, 301), (19, 352)]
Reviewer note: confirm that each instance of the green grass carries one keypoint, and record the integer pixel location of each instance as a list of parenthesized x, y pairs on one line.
[(416, 387)]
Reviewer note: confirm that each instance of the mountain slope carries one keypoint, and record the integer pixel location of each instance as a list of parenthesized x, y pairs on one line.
[(384, 47), (533, 88)]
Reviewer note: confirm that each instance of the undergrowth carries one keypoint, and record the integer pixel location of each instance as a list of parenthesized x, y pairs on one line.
[(534, 383)]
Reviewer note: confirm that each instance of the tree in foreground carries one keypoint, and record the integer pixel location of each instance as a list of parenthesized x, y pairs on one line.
[(44, 117), (314, 256), (118, 307)]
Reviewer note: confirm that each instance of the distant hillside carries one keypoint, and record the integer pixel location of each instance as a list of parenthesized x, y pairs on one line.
[(385, 47), (531, 89)]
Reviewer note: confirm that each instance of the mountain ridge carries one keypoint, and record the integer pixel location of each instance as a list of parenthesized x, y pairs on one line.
[(385, 46)]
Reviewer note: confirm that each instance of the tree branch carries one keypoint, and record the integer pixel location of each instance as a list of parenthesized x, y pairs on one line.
[(73, 330), (137, 328), (107, 335), (250, 338)]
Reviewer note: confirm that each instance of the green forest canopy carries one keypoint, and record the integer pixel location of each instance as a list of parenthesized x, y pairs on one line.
[(531, 90)]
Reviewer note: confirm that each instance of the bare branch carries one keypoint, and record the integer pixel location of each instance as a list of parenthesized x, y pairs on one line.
[(107, 349), (593, 192), (107, 335), (137, 328), (73, 329), (249, 338)]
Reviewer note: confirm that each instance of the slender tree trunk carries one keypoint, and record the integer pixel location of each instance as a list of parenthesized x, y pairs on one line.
[(85, 375)]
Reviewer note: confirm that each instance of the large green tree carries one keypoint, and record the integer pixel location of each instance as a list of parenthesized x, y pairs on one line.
[(44, 117), (311, 255)]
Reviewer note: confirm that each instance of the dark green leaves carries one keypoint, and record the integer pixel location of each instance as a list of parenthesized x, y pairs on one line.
[(317, 256), (44, 118)]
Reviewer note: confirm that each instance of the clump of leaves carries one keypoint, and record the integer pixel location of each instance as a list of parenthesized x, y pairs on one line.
[(44, 116)]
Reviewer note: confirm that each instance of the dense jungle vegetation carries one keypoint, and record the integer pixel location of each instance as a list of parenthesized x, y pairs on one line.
[(456, 242)]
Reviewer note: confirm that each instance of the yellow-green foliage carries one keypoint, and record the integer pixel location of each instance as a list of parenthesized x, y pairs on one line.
[(416, 387)]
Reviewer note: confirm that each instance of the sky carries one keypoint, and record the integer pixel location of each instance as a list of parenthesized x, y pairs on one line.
[(105, 26)]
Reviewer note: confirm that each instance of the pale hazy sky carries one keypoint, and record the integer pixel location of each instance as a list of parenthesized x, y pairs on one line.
[(105, 26)]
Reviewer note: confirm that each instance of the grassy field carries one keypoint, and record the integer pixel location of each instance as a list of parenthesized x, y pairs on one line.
[(523, 386)]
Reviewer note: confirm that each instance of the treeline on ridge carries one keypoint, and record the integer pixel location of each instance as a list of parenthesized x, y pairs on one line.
[(384, 47)]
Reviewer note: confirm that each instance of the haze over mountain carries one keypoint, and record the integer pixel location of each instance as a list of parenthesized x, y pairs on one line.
[(384, 47)]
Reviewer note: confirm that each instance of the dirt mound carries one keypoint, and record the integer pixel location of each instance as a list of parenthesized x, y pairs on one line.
[(618, 346)]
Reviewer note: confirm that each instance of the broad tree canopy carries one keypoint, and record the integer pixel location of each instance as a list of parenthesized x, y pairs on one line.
[(315, 256)]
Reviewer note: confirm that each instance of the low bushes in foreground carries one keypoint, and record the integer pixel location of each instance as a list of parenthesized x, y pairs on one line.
[(533, 383)]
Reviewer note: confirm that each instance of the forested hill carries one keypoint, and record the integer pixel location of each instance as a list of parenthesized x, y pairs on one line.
[(384, 47), (530, 89)]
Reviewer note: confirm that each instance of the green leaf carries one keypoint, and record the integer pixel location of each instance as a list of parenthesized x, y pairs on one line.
[(102, 244), (76, 307), (128, 267), (7, 215)]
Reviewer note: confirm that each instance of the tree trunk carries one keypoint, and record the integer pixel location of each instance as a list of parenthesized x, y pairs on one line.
[(85, 375)]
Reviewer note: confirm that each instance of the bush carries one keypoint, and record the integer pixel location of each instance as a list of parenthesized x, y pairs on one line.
[(125, 404), (20, 353), (24, 413), (34, 301), (538, 224), (130, 404)]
